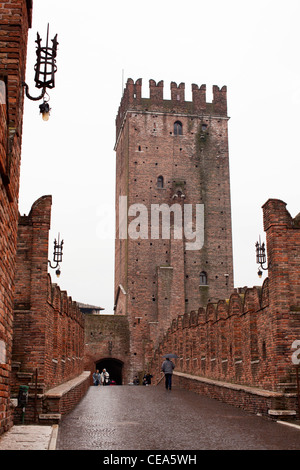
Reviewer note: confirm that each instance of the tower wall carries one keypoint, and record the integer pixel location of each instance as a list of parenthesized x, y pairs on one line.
[(172, 153)]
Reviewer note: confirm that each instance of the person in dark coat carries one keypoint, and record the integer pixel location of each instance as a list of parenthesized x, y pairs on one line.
[(96, 378), (167, 368), (147, 379)]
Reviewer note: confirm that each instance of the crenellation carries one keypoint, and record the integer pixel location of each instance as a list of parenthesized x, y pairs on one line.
[(52, 317), (201, 315), (222, 310), (193, 318), (252, 300), (211, 313), (177, 92), (133, 100), (156, 91), (247, 339), (220, 100), (55, 295), (275, 213), (186, 320), (199, 98)]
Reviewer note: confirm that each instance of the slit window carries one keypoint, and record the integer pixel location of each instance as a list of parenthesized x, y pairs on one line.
[(203, 279), (177, 128), (160, 182)]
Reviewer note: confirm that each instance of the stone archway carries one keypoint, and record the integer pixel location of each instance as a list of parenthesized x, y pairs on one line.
[(114, 367)]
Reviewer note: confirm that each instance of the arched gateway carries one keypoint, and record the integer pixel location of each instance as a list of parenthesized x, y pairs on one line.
[(114, 367), (107, 346)]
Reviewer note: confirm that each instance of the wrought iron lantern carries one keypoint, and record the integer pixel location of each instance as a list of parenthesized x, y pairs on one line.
[(45, 69), (57, 256), (261, 257)]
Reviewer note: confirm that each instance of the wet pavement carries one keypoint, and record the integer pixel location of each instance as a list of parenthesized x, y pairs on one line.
[(152, 418)]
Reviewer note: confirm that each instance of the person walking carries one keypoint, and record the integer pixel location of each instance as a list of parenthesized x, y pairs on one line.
[(104, 377), (167, 368)]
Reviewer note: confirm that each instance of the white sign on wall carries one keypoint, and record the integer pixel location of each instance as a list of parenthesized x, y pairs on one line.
[(2, 352), (296, 354)]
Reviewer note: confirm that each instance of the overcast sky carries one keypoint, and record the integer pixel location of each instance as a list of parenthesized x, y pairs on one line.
[(251, 47)]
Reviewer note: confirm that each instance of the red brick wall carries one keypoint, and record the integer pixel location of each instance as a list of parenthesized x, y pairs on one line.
[(15, 19), (48, 325), (161, 277), (62, 403), (283, 246), (247, 339)]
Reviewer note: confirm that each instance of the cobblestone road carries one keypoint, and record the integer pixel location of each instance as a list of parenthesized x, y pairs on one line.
[(151, 418)]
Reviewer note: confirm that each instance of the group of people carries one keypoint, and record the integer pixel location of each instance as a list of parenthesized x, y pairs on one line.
[(146, 379), (101, 378), (167, 368)]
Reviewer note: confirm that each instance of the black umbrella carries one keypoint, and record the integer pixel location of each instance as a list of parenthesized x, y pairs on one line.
[(170, 356)]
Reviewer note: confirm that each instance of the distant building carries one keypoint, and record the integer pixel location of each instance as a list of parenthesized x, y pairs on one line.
[(91, 309)]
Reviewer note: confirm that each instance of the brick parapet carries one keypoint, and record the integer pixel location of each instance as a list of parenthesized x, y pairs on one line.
[(48, 324), (283, 248), (252, 399), (248, 338), (218, 341), (275, 213), (231, 341)]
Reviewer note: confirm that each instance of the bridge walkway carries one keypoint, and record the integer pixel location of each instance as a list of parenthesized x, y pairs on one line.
[(151, 418)]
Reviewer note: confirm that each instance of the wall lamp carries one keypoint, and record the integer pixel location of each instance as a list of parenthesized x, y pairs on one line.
[(57, 256), (45, 69), (261, 257)]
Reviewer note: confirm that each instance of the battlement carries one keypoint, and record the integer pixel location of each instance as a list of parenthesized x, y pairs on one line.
[(132, 99)]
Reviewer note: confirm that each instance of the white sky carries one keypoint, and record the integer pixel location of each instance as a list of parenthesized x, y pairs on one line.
[(252, 47)]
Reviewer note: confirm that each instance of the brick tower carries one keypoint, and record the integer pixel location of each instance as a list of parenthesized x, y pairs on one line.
[(172, 184)]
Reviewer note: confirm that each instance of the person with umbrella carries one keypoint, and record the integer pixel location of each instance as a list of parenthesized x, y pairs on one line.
[(167, 368)]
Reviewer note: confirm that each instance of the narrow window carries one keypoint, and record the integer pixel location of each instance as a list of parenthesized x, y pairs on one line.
[(177, 128), (203, 278), (264, 351), (160, 182)]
